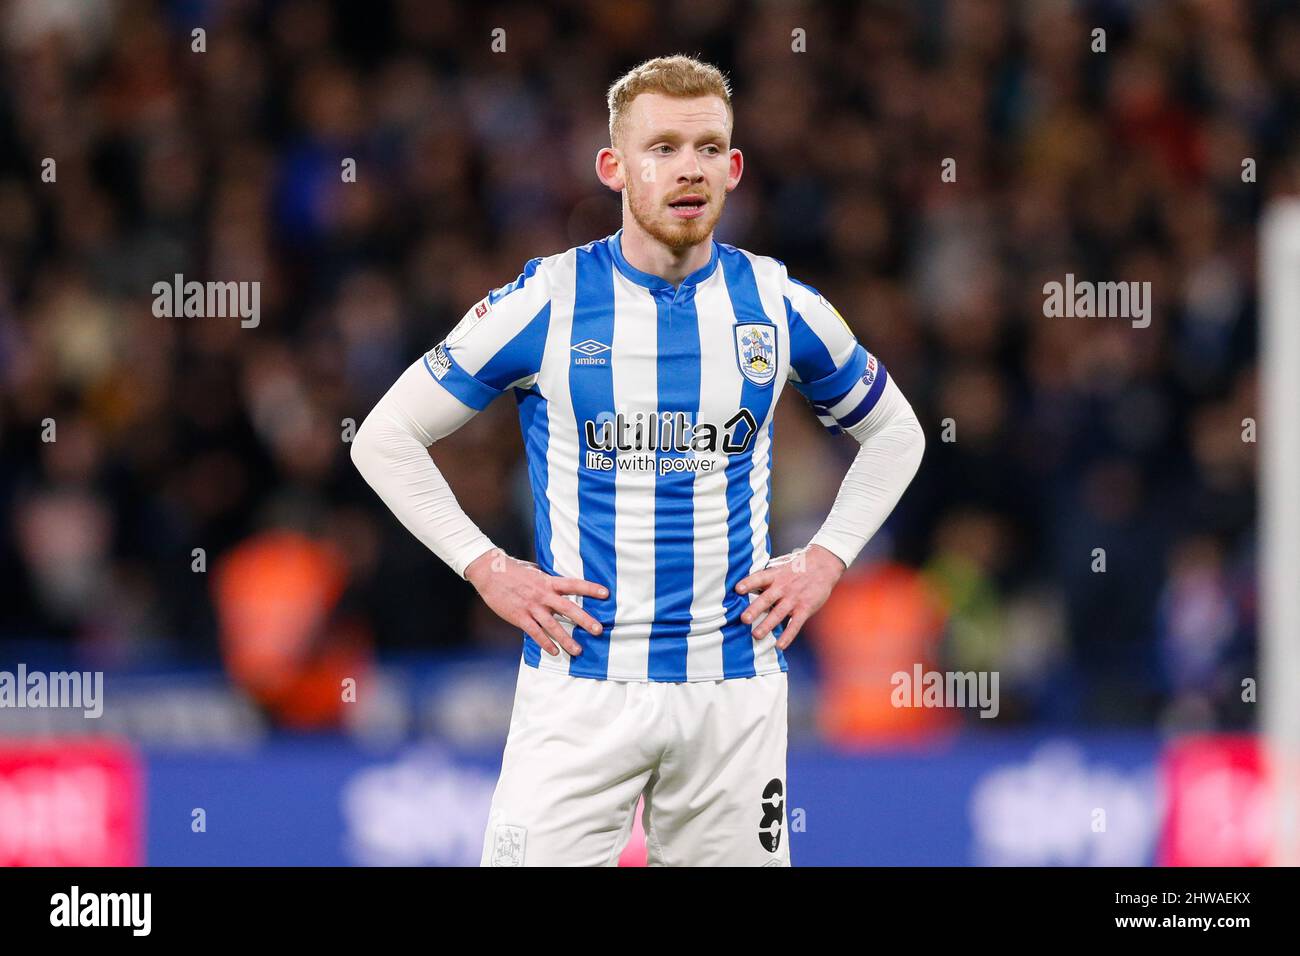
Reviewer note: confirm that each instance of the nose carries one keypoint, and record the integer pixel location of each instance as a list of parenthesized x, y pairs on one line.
[(692, 172)]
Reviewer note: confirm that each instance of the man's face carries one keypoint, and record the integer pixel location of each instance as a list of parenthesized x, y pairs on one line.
[(678, 166)]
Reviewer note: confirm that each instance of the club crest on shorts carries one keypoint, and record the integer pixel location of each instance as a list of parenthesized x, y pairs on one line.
[(756, 351), (508, 850)]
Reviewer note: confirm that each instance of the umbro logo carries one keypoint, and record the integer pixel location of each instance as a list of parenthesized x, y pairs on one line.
[(590, 352)]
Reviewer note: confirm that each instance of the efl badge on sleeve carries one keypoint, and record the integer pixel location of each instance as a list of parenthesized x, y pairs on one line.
[(869, 374), (470, 319), (756, 351)]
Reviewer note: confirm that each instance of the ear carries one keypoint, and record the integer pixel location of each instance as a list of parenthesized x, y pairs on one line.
[(610, 170), (736, 167)]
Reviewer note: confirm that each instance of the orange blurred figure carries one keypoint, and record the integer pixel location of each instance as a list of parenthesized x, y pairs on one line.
[(879, 621), (282, 639)]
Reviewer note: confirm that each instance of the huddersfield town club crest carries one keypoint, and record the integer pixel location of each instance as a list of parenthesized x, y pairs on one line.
[(756, 351)]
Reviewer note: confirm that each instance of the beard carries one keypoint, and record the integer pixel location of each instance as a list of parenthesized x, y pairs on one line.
[(676, 234)]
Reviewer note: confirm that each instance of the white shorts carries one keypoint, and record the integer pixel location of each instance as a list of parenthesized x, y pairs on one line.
[(708, 756)]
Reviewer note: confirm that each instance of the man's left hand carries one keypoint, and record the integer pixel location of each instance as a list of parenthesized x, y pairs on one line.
[(793, 586)]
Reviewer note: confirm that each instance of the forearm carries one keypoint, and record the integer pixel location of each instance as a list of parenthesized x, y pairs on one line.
[(892, 444), (390, 449)]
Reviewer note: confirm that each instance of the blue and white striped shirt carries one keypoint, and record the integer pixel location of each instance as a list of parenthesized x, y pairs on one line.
[(646, 412)]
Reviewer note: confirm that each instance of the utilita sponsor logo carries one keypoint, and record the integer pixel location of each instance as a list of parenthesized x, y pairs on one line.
[(670, 432)]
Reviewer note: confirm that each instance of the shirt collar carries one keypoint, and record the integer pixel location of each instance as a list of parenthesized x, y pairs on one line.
[(654, 282)]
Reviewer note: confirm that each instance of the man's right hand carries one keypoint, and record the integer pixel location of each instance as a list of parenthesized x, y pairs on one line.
[(522, 594)]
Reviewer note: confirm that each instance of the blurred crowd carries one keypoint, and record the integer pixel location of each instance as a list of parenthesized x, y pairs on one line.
[(1053, 443)]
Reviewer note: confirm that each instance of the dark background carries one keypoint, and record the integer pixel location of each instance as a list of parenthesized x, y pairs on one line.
[(1071, 433)]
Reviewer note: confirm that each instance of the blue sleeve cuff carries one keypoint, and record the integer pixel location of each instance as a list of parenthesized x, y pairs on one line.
[(456, 380), (869, 401), (829, 388)]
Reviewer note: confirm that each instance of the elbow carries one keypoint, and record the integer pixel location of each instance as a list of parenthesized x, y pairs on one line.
[(362, 450), (917, 443), (381, 442)]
